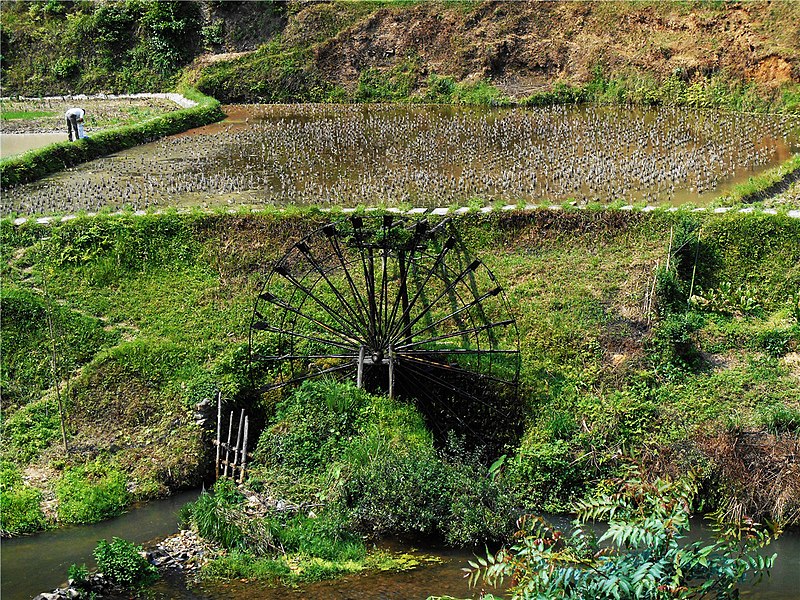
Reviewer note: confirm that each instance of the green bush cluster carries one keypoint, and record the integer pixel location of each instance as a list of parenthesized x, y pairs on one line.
[(122, 562), (20, 504), (90, 493), (445, 90), (133, 45), (30, 430), (375, 459), (40, 162), (717, 91), (259, 547)]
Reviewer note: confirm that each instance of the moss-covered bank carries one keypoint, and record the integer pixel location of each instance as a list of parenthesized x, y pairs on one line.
[(162, 305)]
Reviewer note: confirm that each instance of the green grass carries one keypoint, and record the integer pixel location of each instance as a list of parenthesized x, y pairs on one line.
[(91, 493), (599, 375), (20, 503), (8, 115)]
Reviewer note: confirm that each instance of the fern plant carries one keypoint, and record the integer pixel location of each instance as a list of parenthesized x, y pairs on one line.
[(643, 553)]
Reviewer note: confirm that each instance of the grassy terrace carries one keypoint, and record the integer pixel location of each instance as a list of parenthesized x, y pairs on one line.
[(151, 315)]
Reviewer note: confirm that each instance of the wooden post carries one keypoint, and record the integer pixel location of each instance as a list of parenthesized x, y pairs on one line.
[(652, 293), (238, 441), (219, 433), (391, 372), (360, 376), (228, 445), (244, 450)]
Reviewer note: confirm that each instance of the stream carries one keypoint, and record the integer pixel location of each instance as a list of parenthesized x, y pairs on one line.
[(33, 564)]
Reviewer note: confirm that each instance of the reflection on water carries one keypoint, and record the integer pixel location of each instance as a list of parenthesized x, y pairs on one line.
[(428, 156), (17, 143), (38, 563), (440, 579)]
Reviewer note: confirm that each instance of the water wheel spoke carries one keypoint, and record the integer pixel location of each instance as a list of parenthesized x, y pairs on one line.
[(453, 334), (344, 303), (336, 316), (454, 369), (302, 378), (330, 232), (393, 327), (449, 288), (477, 301), (282, 357), (262, 324)]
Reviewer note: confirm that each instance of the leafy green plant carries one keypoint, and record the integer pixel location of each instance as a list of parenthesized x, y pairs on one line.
[(122, 562), (728, 300), (20, 504), (644, 552), (671, 347), (78, 575), (91, 493)]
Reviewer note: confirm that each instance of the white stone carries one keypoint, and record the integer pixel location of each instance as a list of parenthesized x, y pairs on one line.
[(442, 210)]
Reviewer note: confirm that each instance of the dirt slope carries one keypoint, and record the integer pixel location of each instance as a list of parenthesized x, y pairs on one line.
[(522, 46)]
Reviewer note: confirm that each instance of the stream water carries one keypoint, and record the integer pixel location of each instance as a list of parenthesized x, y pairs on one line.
[(30, 565)]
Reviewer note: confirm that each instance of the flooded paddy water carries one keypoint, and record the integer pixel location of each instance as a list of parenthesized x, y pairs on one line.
[(349, 155)]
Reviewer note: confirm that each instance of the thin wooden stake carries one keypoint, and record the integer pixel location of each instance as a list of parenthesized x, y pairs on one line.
[(360, 375), (244, 450), (669, 251), (228, 445), (694, 268), (391, 372), (56, 374), (652, 293), (238, 441), (219, 433)]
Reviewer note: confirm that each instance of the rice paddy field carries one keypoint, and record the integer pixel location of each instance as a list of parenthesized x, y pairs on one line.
[(389, 155)]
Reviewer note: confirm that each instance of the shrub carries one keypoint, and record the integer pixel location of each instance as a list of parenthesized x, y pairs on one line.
[(122, 562), (671, 348), (398, 493), (644, 553), (20, 504), (91, 493), (217, 515)]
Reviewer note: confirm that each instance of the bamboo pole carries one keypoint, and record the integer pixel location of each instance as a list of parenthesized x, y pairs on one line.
[(238, 441), (652, 293), (228, 445), (694, 268), (53, 362), (244, 450), (219, 433)]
